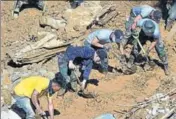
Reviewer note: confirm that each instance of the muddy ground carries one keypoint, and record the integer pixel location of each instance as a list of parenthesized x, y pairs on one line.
[(115, 92)]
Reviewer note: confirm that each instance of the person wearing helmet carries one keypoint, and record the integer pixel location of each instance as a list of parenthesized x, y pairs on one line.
[(20, 3), (151, 29), (172, 16), (99, 38), (83, 56), (138, 13)]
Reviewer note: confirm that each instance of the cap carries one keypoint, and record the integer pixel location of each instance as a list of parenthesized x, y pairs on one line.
[(118, 35), (148, 27)]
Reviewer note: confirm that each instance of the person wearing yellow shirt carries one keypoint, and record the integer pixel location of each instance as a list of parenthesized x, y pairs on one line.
[(28, 91)]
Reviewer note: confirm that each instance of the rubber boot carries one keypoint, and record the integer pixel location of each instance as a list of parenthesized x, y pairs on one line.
[(166, 69)]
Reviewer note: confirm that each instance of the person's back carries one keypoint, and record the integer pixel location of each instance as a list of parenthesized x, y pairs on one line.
[(28, 85), (82, 52), (143, 10), (103, 35)]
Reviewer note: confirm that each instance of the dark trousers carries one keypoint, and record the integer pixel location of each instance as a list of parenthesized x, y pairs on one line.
[(68, 75)]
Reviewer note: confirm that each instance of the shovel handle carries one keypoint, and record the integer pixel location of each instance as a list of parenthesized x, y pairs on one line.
[(140, 45)]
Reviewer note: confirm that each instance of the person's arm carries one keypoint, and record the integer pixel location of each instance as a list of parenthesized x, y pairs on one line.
[(157, 37), (96, 43), (71, 65), (153, 44), (122, 49), (87, 70), (139, 17), (86, 73), (35, 101), (51, 107)]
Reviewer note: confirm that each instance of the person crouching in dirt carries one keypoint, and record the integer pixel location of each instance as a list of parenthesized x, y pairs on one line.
[(172, 16), (83, 56), (151, 29), (99, 38), (138, 13), (20, 3), (28, 90)]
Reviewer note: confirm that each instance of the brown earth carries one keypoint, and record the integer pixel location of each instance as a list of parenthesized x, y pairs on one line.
[(115, 92)]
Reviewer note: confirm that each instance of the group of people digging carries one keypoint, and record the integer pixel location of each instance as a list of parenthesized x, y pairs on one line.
[(143, 22)]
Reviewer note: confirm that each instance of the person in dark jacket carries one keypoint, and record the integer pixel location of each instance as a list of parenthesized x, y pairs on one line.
[(84, 56)]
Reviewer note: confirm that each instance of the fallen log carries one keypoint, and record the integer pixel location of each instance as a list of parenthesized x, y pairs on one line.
[(104, 16), (38, 55)]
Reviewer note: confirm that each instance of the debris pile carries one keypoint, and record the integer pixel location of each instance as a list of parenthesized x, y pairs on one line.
[(161, 107), (158, 106)]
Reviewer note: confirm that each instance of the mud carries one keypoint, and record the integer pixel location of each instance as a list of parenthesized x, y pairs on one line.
[(113, 94)]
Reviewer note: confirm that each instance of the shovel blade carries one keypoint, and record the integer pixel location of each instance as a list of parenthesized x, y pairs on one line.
[(87, 94)]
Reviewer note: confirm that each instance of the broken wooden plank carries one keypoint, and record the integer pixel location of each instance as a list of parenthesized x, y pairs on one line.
[(45, 54)]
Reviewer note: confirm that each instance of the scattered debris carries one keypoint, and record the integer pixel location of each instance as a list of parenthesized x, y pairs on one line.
[(49, 21), (106, 116), (159, 106)]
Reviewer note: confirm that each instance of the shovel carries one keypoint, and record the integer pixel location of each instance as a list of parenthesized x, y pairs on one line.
[(82, 92), (150, 63), (140, 45)]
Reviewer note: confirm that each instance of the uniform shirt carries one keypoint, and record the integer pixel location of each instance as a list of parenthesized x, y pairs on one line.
[(156, 34), (26, 87), (143, 10), (85, 55), (103, 35)]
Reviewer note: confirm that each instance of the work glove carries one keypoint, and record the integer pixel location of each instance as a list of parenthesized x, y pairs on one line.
[(71, 65), (83, 84)]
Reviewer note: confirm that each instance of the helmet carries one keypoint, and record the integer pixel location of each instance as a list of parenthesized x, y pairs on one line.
[(157, 15), (118, 35), (148, 27), (102, 53)]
